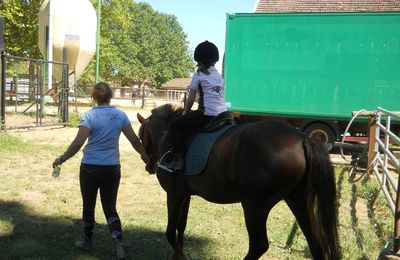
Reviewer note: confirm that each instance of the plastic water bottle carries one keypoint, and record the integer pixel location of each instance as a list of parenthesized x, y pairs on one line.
[(56, 171)]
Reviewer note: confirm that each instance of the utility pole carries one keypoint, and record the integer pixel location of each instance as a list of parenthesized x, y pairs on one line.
[(97, 40), (3, 74)]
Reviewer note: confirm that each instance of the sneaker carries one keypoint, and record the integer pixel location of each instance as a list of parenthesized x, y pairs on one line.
[(84, 244), (119, 249)]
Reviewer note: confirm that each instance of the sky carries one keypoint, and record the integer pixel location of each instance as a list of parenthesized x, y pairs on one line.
[(203, 20)]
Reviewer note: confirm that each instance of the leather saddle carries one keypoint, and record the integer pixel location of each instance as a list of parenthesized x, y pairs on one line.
[(225, 118)]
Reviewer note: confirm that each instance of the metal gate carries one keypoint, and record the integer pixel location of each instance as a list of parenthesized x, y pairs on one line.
[(25, 91), (383, 161)]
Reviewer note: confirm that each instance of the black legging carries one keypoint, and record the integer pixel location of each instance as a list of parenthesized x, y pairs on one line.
[(183, 126), (106, 178)]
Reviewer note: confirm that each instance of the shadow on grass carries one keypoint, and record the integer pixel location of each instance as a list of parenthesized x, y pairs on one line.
[(372, 198), (354, 220), (24, 234), (339, 185), (292, 237)]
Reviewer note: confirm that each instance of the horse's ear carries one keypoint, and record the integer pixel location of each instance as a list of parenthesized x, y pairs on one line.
[(140, 118)]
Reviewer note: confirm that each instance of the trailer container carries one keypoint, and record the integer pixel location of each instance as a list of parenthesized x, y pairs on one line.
[(312, 69)]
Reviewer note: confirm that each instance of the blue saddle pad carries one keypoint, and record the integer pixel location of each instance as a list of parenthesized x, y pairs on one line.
[(197, 154)]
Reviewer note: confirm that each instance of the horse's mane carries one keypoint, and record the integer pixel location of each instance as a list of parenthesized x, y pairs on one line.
[(166, 111)]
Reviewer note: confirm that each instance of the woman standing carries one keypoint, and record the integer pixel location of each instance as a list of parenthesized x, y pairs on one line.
[(100, 166)]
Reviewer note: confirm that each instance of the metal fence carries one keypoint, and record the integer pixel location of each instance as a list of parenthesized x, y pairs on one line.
[(150, 97), (135, 96), (384, 163), (25, 90)]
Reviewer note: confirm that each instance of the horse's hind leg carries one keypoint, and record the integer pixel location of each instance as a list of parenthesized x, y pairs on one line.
[(297, 202), (177, 206), (256, 217)]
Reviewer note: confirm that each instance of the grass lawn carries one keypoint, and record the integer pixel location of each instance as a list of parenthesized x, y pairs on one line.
[(40, 215)]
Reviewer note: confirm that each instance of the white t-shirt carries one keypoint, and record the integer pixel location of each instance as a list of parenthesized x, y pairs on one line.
[(213, 86)]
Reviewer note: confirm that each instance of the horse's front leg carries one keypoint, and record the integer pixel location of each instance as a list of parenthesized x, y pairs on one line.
[(183, 220), (176, 221)]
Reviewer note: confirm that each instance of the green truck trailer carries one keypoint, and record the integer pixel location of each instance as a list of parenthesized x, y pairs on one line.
[(312, 69)]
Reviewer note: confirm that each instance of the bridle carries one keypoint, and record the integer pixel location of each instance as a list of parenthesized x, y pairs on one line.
[(151, 147)]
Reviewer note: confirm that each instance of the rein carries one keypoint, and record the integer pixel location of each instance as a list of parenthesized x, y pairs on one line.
[(163, 133), (166, 114)]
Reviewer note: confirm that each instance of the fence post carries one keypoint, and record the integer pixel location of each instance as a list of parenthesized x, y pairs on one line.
[(16, 83), (142, 87), (37, 87), (3, 90), (396, 242), (371, 140), (64, 89)]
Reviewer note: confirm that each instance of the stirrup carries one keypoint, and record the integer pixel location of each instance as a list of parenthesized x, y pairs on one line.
[(175, 163), (165, 168), (160, 163)]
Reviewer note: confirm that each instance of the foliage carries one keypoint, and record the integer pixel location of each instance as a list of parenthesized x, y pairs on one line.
[(21, 27), (11, 144), (140, 45), (74, 119), (137, 43), (371, 191)]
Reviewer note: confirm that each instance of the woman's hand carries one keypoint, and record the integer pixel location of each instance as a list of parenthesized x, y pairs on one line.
[(145, 158), (57, 161)]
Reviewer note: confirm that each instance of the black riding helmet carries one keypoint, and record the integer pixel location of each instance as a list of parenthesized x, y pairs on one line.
[(206, 53)]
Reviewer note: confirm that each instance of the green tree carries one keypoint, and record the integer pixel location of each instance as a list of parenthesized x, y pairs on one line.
[(21, 30), (21, 27), (167, 54), (139, 44)]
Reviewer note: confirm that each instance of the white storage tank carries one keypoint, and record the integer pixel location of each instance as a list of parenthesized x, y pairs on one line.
[(72, 25)]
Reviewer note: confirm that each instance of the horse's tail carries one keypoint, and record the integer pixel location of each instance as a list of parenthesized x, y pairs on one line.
[(321, 198)]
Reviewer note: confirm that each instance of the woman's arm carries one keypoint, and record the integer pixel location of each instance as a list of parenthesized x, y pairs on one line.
[(75, 146), (135, 141), (189, 101)]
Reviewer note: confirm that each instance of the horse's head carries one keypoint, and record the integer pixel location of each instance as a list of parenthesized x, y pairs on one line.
[(152, 130)]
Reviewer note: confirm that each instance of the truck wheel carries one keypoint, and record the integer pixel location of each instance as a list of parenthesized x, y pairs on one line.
[(321, 132)]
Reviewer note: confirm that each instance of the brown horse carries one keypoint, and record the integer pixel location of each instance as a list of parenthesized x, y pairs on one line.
[(256, 164)]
